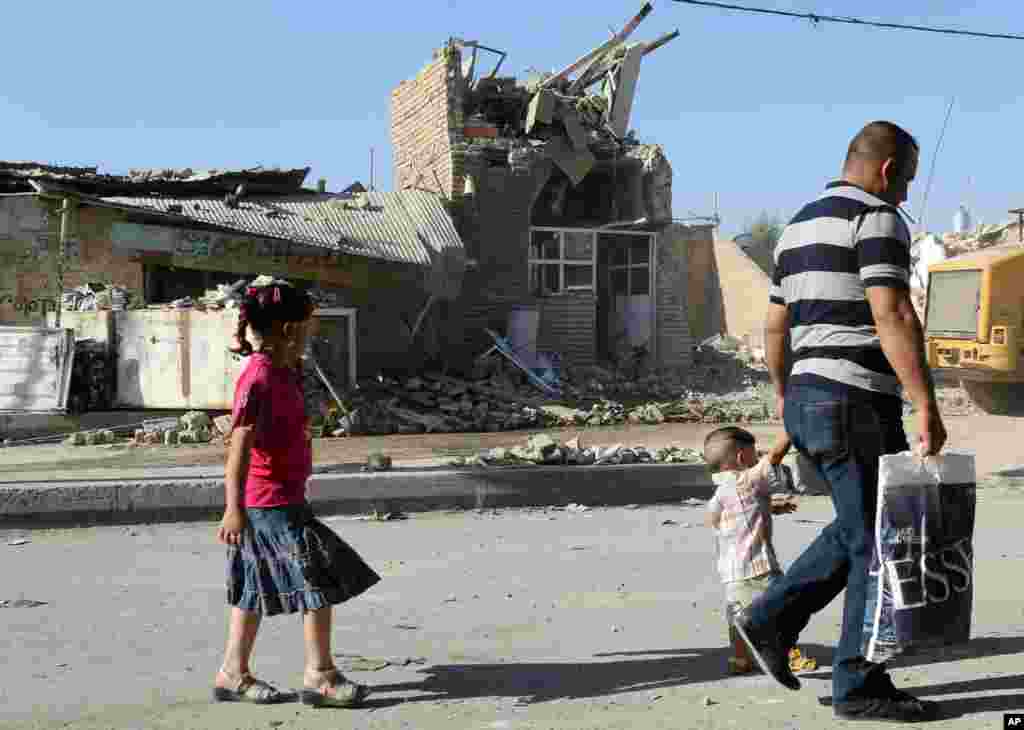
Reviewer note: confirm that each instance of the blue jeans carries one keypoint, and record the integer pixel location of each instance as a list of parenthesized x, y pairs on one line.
[(843, 435)]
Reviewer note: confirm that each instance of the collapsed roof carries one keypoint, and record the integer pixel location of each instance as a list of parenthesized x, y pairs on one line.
[(574, 116)]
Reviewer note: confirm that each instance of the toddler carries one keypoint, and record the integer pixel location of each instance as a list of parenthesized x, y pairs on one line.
[(740, 513)]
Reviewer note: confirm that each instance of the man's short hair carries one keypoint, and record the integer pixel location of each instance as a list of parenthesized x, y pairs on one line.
[(880, 141), (722, 444)]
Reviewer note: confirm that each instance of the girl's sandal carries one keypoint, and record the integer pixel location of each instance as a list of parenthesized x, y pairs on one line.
[(252, 690), (337, 691)]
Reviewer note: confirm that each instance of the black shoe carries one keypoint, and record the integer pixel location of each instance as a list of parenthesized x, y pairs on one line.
[(768, 650), (897, 706)]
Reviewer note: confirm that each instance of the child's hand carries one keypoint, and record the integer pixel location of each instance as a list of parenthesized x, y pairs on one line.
[(231, 527), (780, 449)]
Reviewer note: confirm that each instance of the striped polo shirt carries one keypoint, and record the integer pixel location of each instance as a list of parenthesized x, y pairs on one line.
[(832, 250)]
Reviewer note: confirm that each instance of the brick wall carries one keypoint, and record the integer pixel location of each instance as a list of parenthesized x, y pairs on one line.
[(29, 242), (568, 325), (427, 127)]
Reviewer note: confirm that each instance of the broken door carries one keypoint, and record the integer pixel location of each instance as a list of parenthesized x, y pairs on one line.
[(626, 302)]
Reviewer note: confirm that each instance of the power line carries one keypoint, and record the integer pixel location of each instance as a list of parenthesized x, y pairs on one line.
[(814, 18)]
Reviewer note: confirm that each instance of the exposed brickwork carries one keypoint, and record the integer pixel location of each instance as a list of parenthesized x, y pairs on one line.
[(426, 127), (28, 257), (568, 325)]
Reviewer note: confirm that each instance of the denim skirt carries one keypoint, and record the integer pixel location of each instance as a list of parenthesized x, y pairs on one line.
[(290, 562)]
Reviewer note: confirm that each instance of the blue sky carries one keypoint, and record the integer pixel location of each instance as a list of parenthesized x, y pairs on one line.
[(756, 109)]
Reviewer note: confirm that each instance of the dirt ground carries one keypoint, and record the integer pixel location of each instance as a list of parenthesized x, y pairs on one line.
[(992, 438)]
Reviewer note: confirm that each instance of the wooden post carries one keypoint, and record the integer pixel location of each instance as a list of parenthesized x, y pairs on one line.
[(62, 252)]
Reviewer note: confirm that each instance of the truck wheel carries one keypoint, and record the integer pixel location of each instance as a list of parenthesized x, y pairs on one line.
[(1000, 399)]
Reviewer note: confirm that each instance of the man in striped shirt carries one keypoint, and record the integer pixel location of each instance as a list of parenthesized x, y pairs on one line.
[(840, 297)]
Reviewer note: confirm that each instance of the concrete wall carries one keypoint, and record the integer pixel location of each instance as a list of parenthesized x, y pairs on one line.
[(745, 288), (675, 299), (706, 311)]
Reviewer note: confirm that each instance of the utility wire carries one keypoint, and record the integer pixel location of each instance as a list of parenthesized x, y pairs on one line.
[(814, 18), (931, 175)]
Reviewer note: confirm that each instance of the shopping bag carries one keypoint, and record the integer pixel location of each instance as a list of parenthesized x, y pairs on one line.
[(921, 579)]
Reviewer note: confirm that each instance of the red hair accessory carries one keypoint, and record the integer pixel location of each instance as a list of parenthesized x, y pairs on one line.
[(250, 292)]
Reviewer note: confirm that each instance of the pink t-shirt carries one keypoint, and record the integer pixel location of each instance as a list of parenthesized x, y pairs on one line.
[(270, 400)]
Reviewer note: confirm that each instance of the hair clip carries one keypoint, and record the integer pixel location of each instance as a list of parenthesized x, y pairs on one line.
[(250, 292)]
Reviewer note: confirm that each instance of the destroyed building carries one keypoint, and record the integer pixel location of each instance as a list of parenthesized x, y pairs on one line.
[(566, 216), (137, 263)]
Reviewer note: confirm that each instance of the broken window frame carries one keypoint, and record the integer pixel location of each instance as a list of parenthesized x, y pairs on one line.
[(562, 262), (630, 265)]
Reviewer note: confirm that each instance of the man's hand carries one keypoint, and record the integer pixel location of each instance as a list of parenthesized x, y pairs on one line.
[(931, 432), (231, 527), (783, 505)]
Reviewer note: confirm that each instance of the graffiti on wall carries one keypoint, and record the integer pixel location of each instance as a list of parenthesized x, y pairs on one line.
[(198, 246), (23, 305)]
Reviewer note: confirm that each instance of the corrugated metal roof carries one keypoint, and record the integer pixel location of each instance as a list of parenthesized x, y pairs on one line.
[(409, 226)]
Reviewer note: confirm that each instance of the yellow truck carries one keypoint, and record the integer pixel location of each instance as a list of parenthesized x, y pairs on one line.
[(974, 325)]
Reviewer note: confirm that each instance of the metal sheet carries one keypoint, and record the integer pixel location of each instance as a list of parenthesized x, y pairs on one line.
[(35, 369), (376, 225)]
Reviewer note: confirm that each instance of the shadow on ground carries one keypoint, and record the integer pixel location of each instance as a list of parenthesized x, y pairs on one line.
[(609, 674), (638, 671)]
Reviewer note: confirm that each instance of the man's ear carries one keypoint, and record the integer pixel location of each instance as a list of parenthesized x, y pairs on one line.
[(890, 170)]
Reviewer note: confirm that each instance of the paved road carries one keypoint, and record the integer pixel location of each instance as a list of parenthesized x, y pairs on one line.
[(543, 619)]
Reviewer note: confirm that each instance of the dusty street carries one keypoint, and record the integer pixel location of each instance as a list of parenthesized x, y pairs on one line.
[(544, 619)]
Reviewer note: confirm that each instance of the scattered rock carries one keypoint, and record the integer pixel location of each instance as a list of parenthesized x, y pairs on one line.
[(21, 603), (18, 542), (708, 702)]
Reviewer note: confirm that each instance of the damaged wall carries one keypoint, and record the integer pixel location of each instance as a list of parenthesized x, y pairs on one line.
[(676, 297), (427, 127), (744, 289), (706, 305), (29, 245)]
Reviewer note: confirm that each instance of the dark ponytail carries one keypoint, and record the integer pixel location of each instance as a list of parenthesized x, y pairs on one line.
[(275, 300), (239, 344)]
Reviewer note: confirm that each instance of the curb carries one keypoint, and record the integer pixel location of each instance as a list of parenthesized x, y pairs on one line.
[(399, 490)]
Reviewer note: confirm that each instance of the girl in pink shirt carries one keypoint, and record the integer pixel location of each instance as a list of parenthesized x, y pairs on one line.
[(281, 559)]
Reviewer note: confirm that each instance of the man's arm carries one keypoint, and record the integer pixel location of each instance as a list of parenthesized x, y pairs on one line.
[(776, 334), (883, 256), (902, 339)]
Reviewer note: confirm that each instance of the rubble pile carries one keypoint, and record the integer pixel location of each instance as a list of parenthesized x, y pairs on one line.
[(726, 384), (195, 427), (541, 449), (573, 117), (431, 403), (92, 377), (98, 297)]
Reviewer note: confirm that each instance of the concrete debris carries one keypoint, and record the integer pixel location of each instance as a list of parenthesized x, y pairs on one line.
[(21, 603), (18, 543), (574, 116), (86, 298), (541, 449), (378, 462)]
